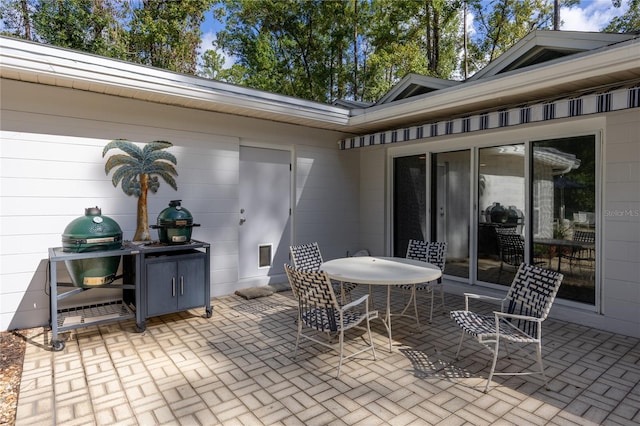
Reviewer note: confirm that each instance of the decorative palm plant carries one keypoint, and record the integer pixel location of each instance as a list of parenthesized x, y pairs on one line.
[(138, 170)]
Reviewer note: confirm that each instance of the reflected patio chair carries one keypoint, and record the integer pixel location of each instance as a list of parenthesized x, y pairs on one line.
[(430, 252), (319, 310), (582, 257), (511, 249), (519, 320), (308, 257)]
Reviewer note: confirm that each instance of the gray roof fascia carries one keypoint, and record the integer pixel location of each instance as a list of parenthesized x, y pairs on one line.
[(567, 40), (68, 68), (620, 57), (418, 80)]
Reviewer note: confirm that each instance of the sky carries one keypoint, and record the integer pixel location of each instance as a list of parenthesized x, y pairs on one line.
[(589, 15)]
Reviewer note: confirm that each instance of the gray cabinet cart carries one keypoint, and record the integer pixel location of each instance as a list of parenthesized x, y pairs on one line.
[(173, 278), (157, 279), (94, 313)]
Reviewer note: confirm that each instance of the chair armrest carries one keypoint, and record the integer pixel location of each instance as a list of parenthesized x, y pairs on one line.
[(468, 296), (515, 316), (355, 302)]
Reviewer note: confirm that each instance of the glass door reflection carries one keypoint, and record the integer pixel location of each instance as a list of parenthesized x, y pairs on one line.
[(501, 205), (564, 204)]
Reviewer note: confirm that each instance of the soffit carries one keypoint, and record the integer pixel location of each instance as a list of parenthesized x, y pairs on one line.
[(574, 74)]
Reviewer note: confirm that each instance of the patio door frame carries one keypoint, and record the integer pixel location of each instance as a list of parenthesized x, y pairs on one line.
[(508, 136)]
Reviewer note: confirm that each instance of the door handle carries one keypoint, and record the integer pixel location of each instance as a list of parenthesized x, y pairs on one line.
[(173, 286), (181, 286)]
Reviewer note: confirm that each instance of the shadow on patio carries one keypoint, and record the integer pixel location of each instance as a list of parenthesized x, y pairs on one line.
[(237, 368)]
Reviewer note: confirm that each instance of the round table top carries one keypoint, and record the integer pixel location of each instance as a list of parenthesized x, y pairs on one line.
[(381, 270)]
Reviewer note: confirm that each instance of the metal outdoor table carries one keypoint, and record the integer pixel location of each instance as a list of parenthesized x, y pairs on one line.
[(387, 271), (555, 242)]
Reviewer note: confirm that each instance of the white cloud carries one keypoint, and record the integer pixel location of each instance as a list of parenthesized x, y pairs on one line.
[(589, 15), (207, 44)]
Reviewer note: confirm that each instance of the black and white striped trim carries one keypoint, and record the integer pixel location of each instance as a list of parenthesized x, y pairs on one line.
[(593, 103)]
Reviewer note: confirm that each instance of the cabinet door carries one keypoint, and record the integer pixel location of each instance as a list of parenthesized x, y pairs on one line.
[(191, 283), (162, 288)]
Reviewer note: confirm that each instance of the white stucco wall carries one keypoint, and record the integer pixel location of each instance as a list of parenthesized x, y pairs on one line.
[(51, 169), (619, 226)]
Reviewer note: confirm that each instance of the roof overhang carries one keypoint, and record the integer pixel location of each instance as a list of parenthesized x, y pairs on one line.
[(42, 64), (573, 75)]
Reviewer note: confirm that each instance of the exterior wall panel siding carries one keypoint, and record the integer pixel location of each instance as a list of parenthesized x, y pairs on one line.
[(52, 169)]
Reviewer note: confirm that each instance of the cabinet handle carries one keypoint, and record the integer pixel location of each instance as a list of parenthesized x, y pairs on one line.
[(173, 286), (181, 286)]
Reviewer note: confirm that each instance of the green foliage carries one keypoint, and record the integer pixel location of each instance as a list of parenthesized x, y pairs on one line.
[(629, 21), (166, 33), (320, 50), (136, 162)]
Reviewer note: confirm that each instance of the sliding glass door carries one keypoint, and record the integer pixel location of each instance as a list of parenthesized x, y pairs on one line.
[(551, 223), (563, 192), (501, 207), (409, 201), (450, 207)]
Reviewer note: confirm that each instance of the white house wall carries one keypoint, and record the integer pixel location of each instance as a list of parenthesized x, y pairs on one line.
[(621, 220), (619, 310), (51, 165)]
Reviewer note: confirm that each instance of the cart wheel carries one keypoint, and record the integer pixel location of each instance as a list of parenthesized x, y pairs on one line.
[(57, 345), (140, 328), (209, 312)]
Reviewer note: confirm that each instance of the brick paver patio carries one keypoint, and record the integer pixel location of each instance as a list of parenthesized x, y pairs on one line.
[(236, 368)]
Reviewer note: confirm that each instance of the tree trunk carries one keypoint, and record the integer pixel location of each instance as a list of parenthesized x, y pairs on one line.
[(142, 229)]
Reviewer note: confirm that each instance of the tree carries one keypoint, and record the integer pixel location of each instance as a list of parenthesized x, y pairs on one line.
[(138, 170), (89, 25), (16, 18), (166, 33), (629, 21)]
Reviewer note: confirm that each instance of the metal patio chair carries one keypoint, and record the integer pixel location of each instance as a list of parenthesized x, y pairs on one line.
[(318, 309), (511, 246), (582, 257), (519, 320), (308, 257), (430, 252)]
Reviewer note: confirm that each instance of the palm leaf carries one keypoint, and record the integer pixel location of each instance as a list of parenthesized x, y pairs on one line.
[(161, 168), (155, 146), (121, 173), (161, 155), (168, 179), (121, 160), (126, 146)]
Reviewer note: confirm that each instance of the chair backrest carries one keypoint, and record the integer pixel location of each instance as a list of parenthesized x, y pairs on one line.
[(511, 246), (433, 252), (306, 256), (584, 236), (316, 300), (533, 291)]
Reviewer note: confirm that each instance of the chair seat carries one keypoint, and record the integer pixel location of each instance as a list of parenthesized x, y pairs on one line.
[(483, 327), (322, 319)]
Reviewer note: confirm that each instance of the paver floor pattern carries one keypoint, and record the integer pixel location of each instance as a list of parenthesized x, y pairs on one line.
[(237, 368)]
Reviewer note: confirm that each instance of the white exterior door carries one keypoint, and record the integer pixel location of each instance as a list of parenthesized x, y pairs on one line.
[(264, 224)]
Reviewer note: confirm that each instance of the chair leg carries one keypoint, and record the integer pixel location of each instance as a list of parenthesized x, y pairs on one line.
[(432, 290), (460, 345), (373, 349), (493, 365), (341, 352), (295, 351), (415, 304), (539, 356)]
